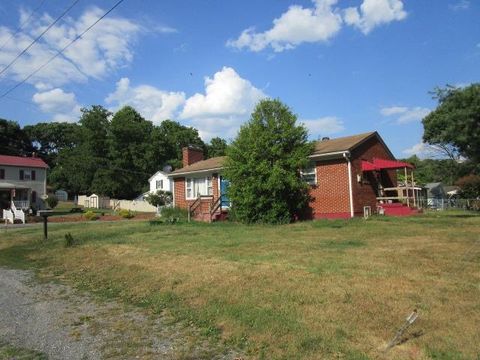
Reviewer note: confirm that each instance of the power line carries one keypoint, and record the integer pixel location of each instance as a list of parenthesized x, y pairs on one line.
[(62, 50), (38, 37), (22, 25)]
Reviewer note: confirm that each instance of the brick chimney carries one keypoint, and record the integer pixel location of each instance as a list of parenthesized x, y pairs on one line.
[(191, 155)]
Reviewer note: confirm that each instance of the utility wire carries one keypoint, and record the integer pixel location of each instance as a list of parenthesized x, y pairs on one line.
[(38, 37), (22, 25), (61, 51)]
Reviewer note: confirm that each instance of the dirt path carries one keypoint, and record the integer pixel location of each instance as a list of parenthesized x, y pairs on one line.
[(55, 320)]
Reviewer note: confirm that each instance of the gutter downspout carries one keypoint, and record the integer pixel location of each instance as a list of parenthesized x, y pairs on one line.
[(346, 155)]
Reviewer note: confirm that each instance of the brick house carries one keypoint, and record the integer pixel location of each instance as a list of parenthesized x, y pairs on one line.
[(346, 175)]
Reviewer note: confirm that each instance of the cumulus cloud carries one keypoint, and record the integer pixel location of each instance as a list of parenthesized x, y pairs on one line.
[(62, 105), (227, 102), (324, 126), (297, 25), (154, 104), (103, 49), (319, 23), (373, 13), (405, 115)]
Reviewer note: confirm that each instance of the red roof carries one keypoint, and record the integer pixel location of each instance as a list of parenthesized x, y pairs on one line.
[(22, 161), (379, 164)]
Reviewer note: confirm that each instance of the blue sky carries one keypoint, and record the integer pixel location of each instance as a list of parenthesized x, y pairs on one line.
[(344, 67)]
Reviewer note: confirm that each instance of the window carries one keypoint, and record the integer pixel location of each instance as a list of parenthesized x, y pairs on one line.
[(27, 175), (159, 184), (34, 175), (196, 187), (34, 197), (2, 174), (21, 175), (309, 174)]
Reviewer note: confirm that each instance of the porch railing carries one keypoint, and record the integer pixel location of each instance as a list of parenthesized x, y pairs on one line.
[(18, 213), (8, 215), (21, 204)]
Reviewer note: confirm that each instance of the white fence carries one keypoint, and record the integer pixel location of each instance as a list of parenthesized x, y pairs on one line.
[(18, 213), (133, 205)]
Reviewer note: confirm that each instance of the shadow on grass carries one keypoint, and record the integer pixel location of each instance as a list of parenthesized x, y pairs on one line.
[(17, 256)]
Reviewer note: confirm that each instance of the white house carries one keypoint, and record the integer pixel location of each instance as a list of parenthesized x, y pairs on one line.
[(23, 182), (160, 181)]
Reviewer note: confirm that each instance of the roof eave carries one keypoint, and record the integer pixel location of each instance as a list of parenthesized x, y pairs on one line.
[(173, 175)]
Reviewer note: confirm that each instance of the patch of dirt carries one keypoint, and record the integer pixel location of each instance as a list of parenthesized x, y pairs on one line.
[(61, 323)]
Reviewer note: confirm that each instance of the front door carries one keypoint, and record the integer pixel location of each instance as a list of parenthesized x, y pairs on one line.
[(224, 183)]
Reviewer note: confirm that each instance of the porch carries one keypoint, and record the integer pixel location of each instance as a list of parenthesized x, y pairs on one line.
[(20, 197), (403, 199)]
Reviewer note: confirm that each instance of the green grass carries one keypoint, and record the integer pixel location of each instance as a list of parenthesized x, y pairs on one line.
[(312, 290), (9, 352)]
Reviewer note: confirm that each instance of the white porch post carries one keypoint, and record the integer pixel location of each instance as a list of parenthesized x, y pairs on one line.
[(413, 187), (406, 187)]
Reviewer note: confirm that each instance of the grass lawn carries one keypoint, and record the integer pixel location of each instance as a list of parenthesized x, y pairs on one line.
[(313, 290)]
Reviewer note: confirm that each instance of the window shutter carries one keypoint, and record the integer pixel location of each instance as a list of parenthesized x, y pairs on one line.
[(33, 175), (2, 174), (21, 174), (34, 196)]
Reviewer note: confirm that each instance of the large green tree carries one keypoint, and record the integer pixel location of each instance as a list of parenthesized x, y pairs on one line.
[(455, 124), (264, 163), (216, 147), (13, 139), (50, 138)]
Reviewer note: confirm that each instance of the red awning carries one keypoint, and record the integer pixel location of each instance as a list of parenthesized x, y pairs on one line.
[(368, 166), (391, 164), (379, 164)]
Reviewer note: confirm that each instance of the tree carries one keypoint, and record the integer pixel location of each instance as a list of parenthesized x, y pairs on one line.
[(469, 187), (50, 138), (13, 140), (263, 165), (169, 138), (455, 124), (217, 147)]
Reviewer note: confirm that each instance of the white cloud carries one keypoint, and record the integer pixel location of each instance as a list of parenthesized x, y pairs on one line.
[(460, 5), (324, 126), (297, 25), (404, 114), (228, 101), (63, 106), (319, 23), (102, 50), (424, 151), (154, 104), (373, 13)]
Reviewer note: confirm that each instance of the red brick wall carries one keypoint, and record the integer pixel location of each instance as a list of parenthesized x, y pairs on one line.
[(180, 195), (191, 155), (364, 194), (330, 196)]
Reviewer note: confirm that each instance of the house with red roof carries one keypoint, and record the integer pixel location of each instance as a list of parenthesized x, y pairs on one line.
[(23, 182), (348, 177)]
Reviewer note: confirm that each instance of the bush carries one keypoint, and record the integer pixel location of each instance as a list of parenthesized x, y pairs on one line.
[(51, 201), (90, 215), (126, 214), (70, 240), (160, 198), (174, 213), (469, 186)]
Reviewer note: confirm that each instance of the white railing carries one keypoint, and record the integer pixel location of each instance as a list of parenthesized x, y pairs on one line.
[(18, 214), (21, 204), (8, 215)]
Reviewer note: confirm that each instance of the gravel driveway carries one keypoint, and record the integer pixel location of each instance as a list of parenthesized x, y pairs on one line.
[(57, 321)]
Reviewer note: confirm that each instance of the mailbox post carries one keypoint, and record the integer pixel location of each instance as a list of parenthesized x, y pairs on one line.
[(45, 214)]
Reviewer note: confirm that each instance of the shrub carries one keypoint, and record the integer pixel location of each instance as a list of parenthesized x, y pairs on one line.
[(126, 214), (70, 240), (469, 186), (160, 198), (174, 213), (90, 215), (51, 201)]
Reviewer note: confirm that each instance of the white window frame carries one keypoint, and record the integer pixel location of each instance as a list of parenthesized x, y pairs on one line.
[(304, 172), (157, 182), (27, 175), (190, 185)]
